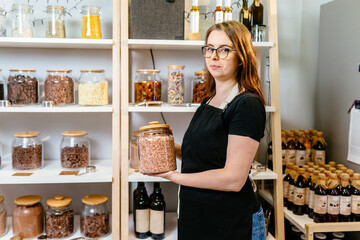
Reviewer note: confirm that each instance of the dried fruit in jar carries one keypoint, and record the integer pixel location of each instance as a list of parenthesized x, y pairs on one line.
[(147, 91), (199, 92)]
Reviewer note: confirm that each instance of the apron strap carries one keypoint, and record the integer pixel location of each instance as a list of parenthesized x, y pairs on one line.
[(231, 96)]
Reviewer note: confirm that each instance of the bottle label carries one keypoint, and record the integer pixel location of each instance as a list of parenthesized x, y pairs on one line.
[(286, 189), (246, 14), (355, 204), (345, 205), (290, 156), (320, 204), (291, 193), (283, 153), (308, 155), (194, 22), (228, 16), (299, 196), (157, 219), (319, 156), (142, 224), (333, 205), (307, 196), (219, 17), (300, 157), (312, 199)]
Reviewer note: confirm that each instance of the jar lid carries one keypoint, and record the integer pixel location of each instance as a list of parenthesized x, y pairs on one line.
[(27, 200), (26, 134), (74, 133), (17, 6), (59, 70), (93, 70), (176, 66), (148, 70), (94, 199), (154, 125), (55, 7), (1, 199), (22, 70), (199, 73), (86, 8), (59, 201), (136, 133)]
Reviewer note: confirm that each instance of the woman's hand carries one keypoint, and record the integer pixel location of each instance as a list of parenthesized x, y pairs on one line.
[(172, 175)]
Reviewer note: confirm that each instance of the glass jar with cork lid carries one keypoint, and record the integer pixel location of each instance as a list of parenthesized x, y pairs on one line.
[(199, 88), (93, 87), (176, 84), (147, 86), (3, 217), (23, 87), (55, 22), (59, 86), (75, 150)]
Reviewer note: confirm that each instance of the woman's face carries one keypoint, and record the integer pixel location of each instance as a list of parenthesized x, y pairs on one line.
[(222, 69)]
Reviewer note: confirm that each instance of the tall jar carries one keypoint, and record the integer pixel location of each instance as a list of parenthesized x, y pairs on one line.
[(75, 150), (147, 85), (3, 222), (2, 22), (22, 20), (91, 22), (93, 87), (55, 22), (134, 150), (2, 86), (176, 84), (95, 216), (59, 218), (23, 87), (28, 217), (199, 88), (59, 87), (156, 148), (27, 151)]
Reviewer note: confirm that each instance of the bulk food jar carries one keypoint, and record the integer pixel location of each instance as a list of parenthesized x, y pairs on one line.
[(91, 22), (2, 22), (95, 216), (28, 217), (176, 84), (2, 86), (134, 150), (22, 20), (55, 22), (23, 86), (27, 151), (59, 87), (75, 150), (59, 217), (3, 223), (199, 88), (93, 87), (147, 85), (156, 148)]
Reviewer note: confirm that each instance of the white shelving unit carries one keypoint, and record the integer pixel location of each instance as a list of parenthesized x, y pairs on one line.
[(57, 109)]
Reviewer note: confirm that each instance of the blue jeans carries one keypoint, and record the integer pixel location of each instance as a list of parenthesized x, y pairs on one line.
[(258, 226)]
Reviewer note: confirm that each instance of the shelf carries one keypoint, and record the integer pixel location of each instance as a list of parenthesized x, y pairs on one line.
[(61, 109), (178, 44), (76, 234), (78, 43), (50, 174)]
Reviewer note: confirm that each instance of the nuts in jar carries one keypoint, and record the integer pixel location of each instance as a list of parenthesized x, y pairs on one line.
[(147, 86), (176, 84), (75, 150), (22, 86), (59, 87)]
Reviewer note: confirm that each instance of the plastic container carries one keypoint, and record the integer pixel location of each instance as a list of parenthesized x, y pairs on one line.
[(55, 22), (75, 150), (2, 87), (22, 20), (59, 87), (2, 22), (199, 88), (3, 217), (93, 87), (23, 87), (176, 84), (134, 150), (147, 86), (91, 22)]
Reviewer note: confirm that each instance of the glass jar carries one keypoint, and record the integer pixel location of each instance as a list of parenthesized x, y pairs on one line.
[(176, 84), (27, 151), (75, 150), (93, 87), (258, 33), (28, 216), (55, 22), (59, 218), (59, 87), (23, 87), (95, 216), (134, 150), (156, 148), (22, 20), (2, 87), (91, 22), (199, 88), (2, 22), (147, 86), (3, 217)]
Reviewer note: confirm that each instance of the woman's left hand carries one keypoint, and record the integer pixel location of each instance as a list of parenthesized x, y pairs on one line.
[(167, 175)]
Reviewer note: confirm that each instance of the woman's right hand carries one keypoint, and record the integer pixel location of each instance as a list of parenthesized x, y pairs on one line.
[(178, 151)]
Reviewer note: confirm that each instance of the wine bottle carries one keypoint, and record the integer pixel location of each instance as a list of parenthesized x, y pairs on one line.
[(290, 150), (345, 198), (300, 153), (293, 174), (299, 193), (314, 180), (157, 215), (309, 174), (333, 209), (141, 212), (156, 185), (355, 197), (286, 182), (269, 155), (245, 15), (283, 150), (320, 199), (319, 148), (257, 13)]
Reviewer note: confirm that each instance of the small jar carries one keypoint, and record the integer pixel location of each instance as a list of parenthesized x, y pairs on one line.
[(176, 84), (59, 218), (91, 22), (59, 87), (23, 87), (93, 87), (3, 217), (27, 151), (75, 150), (28, 217), (258, 33), (199, 88), (2, 86), (2, 22), (55, 22), (147, 86), (156, 148), (134, 150), (95, 216), (22, 20)]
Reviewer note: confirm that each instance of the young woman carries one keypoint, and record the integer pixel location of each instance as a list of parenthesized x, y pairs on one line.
[(217, 201)]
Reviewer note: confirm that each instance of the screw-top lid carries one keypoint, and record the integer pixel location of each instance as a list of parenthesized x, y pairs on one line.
[(176, 67), (59, 70), (93, 70), (148, 71), (27, 200), (59, 201), (74, 133), (1, 199), (26, 134), (154, 125), (95, 199)]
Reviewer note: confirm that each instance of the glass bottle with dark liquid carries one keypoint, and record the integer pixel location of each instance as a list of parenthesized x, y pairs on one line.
[(300, 153), (333, 198), (355, 197), (345, 198), (157, 215), (269, 155), (314, 180), (245, 15), (283, 150), (319, 148), (286, 182), (299, 193), (291, 149), (141, 212), (320, 205), (309, 173), (290, 201), (257, 13)]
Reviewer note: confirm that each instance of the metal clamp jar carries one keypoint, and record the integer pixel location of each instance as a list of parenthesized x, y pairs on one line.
[(59, 87), (147, 86), (2, 87), (156, 148), (75, 150), (2, 22), (91, 22), (3, 217), (59, 218), (55, 22), (134, 150), (23, 87), (93, 87), (95, 216), (28, 217), (199, 88), (22, 20), (176, 84)]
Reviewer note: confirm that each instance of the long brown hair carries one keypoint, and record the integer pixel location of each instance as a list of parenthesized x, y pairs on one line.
[(247, 76)]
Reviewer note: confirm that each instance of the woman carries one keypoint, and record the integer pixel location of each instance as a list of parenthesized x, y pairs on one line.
[(216, 197)]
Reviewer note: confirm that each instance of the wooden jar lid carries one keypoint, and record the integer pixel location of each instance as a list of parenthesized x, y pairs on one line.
[(154, 125), (95, 199), (27, 200), (93, 70), (176, 66), (148, 70), (59, 70), (26, 134), (1, 199), (59, 201), (74, 133)]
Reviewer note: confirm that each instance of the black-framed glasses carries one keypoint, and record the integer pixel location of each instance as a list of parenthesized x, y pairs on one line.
[(221, 52)]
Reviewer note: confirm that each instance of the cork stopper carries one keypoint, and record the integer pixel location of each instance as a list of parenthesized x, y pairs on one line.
[(59, 201), (74, 133), (95, 199), (27, 200), (26, 134), (1, 199)]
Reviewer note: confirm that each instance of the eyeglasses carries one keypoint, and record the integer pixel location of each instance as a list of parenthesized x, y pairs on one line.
[(221, 52)]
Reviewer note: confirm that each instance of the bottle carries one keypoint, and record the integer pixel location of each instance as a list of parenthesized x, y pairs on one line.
[(290, 150), (195, 17), (157, 215), (227, 11), (313, 140), (257, 12), (307, 145), (245, 16), (283, 150), (269, 155), (320, 199), (319, 148), (299, 193), (300, 152), (310, 172), (293, 175), (141, 212), (334, 193), (218, 14), (345, 199), (156, 185), (355, 197), (314, 180), (286, 182)]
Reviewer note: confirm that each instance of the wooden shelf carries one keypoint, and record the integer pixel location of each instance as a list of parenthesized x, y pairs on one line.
[(50, 174), (60, 109)]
